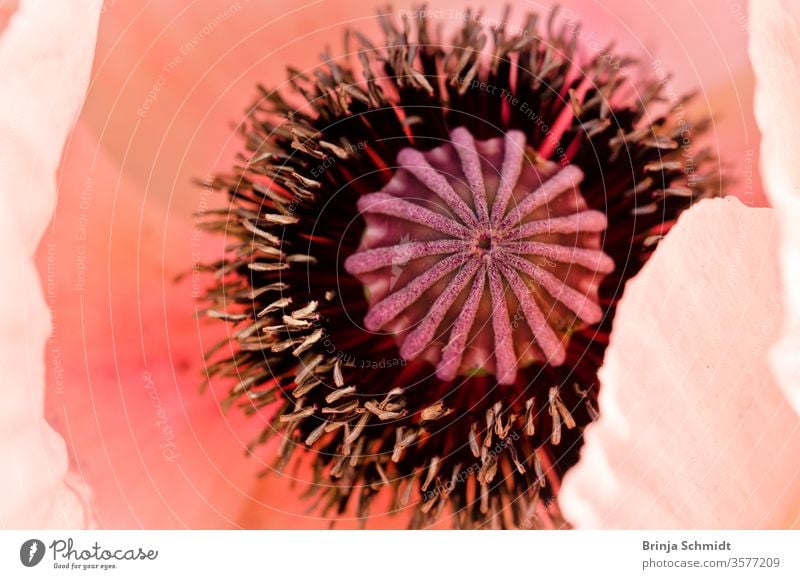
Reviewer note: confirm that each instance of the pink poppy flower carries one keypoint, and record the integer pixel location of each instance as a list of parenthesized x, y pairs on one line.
[(694, 430)]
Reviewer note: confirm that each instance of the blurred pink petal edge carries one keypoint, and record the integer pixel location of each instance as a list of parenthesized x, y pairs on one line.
[(775, 54), (46, 52)]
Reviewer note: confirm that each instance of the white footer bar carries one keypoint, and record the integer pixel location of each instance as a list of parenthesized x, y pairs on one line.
[(399, 554)]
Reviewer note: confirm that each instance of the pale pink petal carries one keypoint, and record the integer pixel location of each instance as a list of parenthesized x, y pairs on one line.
[(45, 58), (775, 52), (694, 432)]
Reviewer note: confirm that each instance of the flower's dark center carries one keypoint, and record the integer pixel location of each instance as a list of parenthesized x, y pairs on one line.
[(477, 258), (483, 242), (483, 252)]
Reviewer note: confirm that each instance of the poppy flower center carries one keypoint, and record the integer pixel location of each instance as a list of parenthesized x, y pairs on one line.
[(483, 257), (480, 257), (483, 242)]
